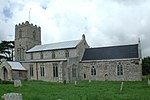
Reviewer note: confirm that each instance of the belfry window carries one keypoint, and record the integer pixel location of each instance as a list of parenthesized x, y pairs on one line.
[(93, 70), (20, 33), (34, 35), (119, 69)]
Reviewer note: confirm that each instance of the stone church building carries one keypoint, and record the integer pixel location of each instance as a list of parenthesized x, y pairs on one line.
[(69, 60)]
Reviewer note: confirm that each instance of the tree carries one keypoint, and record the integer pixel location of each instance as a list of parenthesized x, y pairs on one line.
[(146, 66), (6, 50)]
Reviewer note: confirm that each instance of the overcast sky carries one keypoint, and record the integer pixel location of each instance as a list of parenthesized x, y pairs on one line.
[(104, 22)]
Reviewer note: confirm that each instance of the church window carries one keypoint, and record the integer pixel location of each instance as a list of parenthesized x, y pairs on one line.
[(20, 33), (34, 35), (67, 53), (41, 55), (42, 70), (19, 53), (53, 55), (74, 72), (31, 55), (31, 70), (93, 70), (119, 69), (55, 70), (20, 74), (22, 53)]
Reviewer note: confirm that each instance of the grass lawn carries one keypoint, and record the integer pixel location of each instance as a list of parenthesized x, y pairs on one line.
[(96, 90)]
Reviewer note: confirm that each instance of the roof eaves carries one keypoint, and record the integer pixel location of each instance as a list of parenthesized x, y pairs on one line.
[(45, 60), (126, 59), (49, 50)]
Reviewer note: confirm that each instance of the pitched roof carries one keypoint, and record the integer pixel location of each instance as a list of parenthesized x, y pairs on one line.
[(16, 65), (114, 52), (55, 46)]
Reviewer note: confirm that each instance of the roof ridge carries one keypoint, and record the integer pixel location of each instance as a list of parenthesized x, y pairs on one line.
[(54, 46), (113, 46), (57, 42)]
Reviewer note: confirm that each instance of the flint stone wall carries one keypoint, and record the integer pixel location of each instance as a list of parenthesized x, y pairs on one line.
[(107, 70)]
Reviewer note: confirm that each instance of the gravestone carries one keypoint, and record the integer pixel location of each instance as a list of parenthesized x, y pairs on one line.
[(75, 82), (89, 81), (121, 87), (17, 83), (148, 82), (12, 96)]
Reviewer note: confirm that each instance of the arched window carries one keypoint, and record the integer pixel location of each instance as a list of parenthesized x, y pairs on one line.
[(34, 35), (119, 69), (31, 70), (53, 55), (20, 33), (67, 53), (55, 70), (42, 70), (93, 70)]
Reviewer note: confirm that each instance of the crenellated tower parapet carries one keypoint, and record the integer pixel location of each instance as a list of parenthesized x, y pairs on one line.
[(27, 36), (23, 24)]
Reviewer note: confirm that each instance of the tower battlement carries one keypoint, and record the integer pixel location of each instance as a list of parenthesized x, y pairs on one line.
[(27, 36), (27, 24)]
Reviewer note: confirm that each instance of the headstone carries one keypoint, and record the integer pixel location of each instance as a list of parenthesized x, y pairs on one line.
[(17, 83), (148, 82), (121, 87), (89, 81), (12, 96), (64, 81), (75, 82)]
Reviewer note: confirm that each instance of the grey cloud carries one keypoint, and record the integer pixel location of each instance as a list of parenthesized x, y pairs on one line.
[(7, 12), (44, 3), (112, 22), (131, 2)]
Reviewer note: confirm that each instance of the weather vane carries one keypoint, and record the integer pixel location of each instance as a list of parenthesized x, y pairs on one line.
[(29, 14)]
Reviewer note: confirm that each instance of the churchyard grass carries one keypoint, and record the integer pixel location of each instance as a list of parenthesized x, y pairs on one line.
[(96, 90)]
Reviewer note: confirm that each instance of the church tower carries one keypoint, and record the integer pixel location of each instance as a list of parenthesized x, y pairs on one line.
[(26, 36)]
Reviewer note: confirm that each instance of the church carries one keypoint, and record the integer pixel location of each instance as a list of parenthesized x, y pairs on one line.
[(69, 61)]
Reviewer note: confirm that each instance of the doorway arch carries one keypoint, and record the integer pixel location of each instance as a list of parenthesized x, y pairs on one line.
[(5, 73)]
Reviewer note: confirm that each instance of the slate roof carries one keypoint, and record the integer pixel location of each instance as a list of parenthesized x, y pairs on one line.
[(55, 46), (114, 52), (16, 65)]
